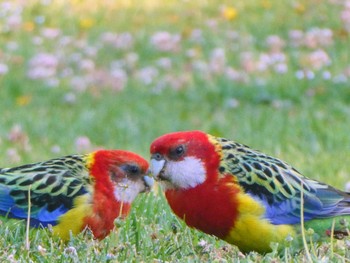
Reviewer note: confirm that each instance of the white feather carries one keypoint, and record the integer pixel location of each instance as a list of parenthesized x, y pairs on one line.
[(184, 174), (127, 190)]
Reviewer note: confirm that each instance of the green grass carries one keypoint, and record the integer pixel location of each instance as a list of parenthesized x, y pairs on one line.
[(304, 122)]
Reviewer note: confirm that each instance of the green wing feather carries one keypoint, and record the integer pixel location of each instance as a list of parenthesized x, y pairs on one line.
[(278, 186)]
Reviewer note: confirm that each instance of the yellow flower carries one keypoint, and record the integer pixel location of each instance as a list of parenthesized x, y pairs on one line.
[(28, 26), (229, 13), (299, 8), (23, 100), (86, 23), (266, 4)]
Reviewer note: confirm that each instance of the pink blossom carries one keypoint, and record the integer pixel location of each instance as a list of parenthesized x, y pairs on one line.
[(164, 63), (3, 69), (87, 65), (19, 137), (313, 38), (309, 74), (131, 60), (305, 74), (176, 82), (147, 75), (55, 149), (212, 24), (90, 51), (66, 72), (326, 75), (235, 75), (217, 62), (296, 37), (79, 83), (11, 12), (36, 40), (65, 41), (318, 37), (197, 36), (247, 62), (192, 53), (75, 57), (281, 68), (263, 62), (275, 43), (121, 41), (233, 35), (164, 41), (340, 78), (318, 59), (13, 156), (347, 71), (16, 134), (14, 22), (82, 144), (276, 60), (50, 33), (119, 79), (42, 66), (345, 18), (232, 74)]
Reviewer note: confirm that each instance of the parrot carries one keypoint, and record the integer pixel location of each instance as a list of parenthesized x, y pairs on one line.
[(75, 192), (243, 196)]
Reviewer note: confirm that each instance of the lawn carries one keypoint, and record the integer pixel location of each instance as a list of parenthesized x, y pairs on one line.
[(81, 75)]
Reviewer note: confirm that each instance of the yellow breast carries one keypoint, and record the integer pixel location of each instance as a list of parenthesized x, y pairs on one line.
[(72, 222), (253, 233)]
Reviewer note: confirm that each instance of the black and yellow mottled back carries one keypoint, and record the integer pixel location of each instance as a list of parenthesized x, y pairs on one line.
[(53, 186)]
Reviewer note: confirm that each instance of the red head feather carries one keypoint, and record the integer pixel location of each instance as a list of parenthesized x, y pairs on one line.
[(106, 208)]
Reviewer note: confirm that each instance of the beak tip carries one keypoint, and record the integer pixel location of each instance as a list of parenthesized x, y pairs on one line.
[(149, 181)]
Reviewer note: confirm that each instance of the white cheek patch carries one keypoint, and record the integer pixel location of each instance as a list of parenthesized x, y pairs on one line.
[(127, 190), (185, 174)]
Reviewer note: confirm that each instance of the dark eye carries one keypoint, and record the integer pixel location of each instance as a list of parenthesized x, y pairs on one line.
[(133, 169), (177, 152)]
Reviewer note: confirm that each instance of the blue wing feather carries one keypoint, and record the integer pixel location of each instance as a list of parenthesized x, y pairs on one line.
[(41, 217)]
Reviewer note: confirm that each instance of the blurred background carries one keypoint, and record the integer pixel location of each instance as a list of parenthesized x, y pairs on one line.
[(80, 75)]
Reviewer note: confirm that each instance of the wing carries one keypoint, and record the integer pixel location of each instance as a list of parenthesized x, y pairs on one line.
[(279, 186), (53, 186)]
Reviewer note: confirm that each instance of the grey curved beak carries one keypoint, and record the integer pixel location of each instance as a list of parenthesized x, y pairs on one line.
[(148, 181)]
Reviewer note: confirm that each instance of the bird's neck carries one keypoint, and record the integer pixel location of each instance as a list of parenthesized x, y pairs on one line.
[(105, 209), (210, 207)]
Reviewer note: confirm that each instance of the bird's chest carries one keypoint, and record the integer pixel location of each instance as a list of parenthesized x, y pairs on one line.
[(211, 209), (105, 211)]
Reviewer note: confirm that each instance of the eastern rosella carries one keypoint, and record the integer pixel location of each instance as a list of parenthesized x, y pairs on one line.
[(241, 195), (75, 192)]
